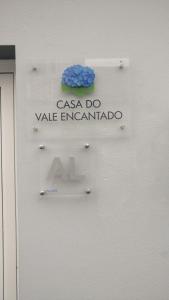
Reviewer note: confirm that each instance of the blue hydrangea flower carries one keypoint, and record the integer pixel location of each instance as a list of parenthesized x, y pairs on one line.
[(78, 76)]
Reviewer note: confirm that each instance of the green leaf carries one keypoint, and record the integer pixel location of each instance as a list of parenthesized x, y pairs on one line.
[(78, 91)]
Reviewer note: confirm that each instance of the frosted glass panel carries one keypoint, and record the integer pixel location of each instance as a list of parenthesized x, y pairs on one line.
[(67, 168), (106, 112)]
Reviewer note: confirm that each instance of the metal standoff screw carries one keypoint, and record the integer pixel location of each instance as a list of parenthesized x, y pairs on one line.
[(121, 66), (42, 193), (87, 146), (122, 127), (34, 69), (88, 191), (42, 147)]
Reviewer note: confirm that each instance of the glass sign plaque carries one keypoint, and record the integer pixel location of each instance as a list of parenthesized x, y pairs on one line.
[(71, 107)]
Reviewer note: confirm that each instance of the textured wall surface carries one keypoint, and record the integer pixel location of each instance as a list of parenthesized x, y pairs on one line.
[(115, 246)]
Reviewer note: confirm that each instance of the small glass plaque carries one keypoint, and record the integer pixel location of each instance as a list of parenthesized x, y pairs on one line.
[(67, 168)]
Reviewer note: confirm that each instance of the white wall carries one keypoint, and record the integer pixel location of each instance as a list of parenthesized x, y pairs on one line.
[(133, 259)]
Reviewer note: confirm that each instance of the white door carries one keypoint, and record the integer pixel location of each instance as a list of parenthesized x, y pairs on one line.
[(7, 190)]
